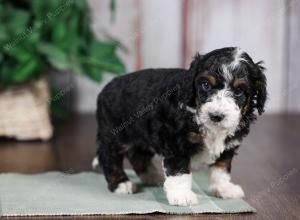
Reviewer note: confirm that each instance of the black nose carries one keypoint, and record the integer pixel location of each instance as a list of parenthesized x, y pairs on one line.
[(216, 117)]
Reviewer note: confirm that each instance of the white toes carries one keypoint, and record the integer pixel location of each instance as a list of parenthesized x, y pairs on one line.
[(125, 188), (221, 185), (178, 190), (182, 198), (227, 190)]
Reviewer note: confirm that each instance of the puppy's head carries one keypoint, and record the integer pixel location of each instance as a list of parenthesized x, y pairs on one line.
[(229, 86)]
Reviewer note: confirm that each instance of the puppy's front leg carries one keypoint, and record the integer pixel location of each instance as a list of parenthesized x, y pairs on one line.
[(220, 180), (178, 183)]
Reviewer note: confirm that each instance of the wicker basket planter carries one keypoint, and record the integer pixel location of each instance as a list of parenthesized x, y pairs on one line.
[(24, 112)]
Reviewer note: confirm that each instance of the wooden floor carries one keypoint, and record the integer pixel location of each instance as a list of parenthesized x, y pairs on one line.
[(267, 166)]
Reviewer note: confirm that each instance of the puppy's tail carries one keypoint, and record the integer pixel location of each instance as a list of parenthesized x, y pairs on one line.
[(95, 163)]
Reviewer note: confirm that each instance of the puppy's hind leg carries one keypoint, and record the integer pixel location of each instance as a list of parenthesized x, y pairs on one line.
[(142, 163), (111, 163)]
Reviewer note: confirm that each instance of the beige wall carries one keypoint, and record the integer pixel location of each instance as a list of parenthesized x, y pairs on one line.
[(293, 85), (168, 33)]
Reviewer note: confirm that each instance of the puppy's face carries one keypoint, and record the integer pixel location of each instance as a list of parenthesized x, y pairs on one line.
[(228, 87)]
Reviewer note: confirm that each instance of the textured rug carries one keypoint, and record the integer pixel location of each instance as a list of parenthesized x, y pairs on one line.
[(57, 193)]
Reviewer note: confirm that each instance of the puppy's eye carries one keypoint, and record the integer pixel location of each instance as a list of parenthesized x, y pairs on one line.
[(238, 92), (206, 86)]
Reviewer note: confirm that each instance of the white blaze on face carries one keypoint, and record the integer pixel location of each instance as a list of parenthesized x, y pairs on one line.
[(237, 59), (222, 102), (226, 73)]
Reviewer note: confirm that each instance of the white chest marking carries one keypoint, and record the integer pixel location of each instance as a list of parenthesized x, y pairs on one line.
[(213, 147)]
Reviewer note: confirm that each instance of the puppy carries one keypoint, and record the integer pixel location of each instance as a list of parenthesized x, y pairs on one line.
[(188, 116)]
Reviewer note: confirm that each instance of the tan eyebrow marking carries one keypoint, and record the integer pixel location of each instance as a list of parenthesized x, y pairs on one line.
[(212, 80), (238, 83)]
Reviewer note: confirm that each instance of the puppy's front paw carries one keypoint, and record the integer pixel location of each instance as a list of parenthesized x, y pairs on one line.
[(125, 188), (182, 198), (227, 190)]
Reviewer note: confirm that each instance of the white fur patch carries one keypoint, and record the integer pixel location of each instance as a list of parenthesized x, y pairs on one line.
[(214, 146), (125, 188), (221, 186), (214, 141), (187, 108), (233, 144), (226, 73), (205, 157), (216, 133), (221, 102), (95, 163), (237, 59), (179, 190)]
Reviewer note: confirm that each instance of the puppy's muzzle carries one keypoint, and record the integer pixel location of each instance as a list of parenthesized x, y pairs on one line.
[(216, 116)]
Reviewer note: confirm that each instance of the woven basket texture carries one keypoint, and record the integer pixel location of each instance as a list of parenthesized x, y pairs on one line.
[(24, 113)]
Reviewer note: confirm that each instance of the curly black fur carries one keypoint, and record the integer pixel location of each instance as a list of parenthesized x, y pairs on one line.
[(144, 112)]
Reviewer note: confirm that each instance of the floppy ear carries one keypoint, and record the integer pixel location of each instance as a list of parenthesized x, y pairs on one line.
[(194, 67), (187, 92), (260, 95)]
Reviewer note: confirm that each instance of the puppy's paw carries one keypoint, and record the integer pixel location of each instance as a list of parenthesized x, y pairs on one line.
[(125, 188), (227, 190), (182, 198)]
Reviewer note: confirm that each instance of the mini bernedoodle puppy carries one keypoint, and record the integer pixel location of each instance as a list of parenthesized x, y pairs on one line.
[(188, 116)]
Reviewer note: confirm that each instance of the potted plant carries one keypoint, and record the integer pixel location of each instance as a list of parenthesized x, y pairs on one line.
[(38, 36)]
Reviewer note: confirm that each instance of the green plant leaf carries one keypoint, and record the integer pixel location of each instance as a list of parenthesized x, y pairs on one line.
[(103, 55), (81, 4), (17, 22), (37, 35), (112, 64), (94, 73), (58, 111), (101, 50), (23, 55), (57, 57), (37, 8), (60, 31), (76, 66), (33, 38), (5, 76), (4, 37), (26, 71), (56, 5), (72, 38)]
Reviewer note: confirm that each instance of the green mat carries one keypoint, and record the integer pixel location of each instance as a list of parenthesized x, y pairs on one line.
[(56, 193)]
